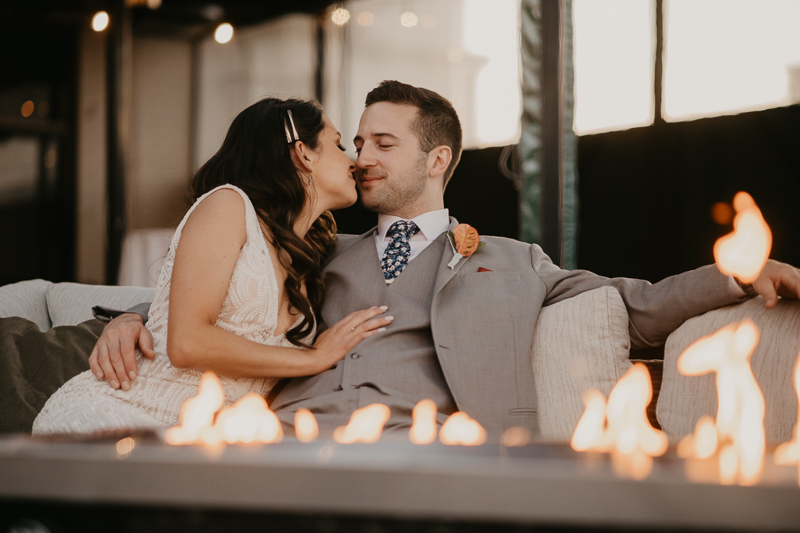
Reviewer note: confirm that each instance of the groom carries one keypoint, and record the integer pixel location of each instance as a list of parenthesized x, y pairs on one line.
[(463, 331)]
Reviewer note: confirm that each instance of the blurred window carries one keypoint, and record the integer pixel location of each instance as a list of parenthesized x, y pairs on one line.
[(728, 56), (613, 57), (720, 57), (466, 50)]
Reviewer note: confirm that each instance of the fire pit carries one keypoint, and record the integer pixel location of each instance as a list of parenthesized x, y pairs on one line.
[(539, 484)]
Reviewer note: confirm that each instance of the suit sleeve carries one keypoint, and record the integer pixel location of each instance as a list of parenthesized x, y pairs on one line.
[(654, 309), (107, 314)]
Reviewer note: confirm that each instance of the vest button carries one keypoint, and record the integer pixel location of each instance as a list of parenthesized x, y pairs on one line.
[(354, 356)]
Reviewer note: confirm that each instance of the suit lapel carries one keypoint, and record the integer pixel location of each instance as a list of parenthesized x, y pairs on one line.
[(445, 274)]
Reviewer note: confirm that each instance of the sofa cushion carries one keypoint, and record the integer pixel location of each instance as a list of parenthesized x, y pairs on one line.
[(71, 303), (26, 299), (578, 344), (684, 399)]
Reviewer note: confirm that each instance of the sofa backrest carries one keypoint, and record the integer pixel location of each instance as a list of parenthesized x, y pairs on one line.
[(71, 303), (50, 304)]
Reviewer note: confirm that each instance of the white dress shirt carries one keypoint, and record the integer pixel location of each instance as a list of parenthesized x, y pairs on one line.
[(430, 224)]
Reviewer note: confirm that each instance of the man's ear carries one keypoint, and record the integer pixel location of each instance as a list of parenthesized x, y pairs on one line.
[(438, 160), (302, 157)]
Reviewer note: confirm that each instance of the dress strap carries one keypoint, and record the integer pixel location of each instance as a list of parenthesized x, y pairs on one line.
[(252, 226)]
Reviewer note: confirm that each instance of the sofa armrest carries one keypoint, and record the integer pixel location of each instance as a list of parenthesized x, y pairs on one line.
[(683, 400), (26, 299)]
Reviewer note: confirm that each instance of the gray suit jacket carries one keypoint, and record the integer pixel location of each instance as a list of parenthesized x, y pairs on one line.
[(482, 322)]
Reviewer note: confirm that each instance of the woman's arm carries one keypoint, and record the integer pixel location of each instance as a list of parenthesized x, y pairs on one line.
[(209, 247)]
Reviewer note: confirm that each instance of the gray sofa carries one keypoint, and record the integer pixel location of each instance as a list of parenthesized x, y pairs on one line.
[(578, 344)]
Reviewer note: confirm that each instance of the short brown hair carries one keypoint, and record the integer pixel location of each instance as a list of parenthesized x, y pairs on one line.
[(436, 124)]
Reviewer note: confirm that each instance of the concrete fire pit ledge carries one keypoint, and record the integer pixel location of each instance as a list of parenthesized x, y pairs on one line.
[(536, 484)]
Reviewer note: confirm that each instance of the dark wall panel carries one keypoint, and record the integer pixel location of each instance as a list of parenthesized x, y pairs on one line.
[(646, 194)]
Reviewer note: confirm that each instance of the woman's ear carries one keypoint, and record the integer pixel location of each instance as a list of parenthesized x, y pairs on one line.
[(302, 157)]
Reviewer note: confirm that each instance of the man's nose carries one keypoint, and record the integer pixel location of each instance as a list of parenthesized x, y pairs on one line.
[(364, 160)]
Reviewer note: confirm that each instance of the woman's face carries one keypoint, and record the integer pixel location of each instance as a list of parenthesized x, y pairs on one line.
[(334, 185)]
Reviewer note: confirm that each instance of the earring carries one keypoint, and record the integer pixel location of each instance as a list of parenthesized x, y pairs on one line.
[(310, 180)]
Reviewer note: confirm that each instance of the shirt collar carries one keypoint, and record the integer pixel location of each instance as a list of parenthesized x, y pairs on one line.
[(431, 224)]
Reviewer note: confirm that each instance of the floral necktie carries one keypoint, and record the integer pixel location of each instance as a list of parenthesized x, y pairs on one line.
[(395, 258)]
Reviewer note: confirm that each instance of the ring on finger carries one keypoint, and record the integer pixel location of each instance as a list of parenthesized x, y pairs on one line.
[(352, 329)]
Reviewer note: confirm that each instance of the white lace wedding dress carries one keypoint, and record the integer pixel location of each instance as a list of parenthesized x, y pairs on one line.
[(250, 309)]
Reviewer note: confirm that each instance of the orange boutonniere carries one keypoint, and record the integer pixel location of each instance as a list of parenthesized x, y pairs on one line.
[(465, 241)]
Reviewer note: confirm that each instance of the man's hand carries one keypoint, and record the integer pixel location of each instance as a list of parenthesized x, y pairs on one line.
[(777, 279), (114, 355)]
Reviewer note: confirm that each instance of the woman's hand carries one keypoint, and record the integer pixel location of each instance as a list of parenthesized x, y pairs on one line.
[(333, 344)]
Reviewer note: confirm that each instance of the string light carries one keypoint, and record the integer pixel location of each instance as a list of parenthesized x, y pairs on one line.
[(27, 109), (224, 33), (365, 18), (100, 21), (340, 16), (409, 19), (152, 4)]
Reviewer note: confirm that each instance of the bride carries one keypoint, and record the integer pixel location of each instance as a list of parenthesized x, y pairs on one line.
[(242, 279)]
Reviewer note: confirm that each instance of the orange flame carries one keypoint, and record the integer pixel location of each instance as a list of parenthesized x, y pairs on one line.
[(620, 425), (741, 441), (125, 447), (366, 425), (788, 453), (305, 425), (515, 436), (460, 429), (197, 413), (744, 252), (635, 465), (247, 421), (627, 414), (423, 428), (701, 444), (590, 433)]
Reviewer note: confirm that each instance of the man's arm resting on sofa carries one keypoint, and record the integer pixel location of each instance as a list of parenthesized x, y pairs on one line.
[(114, 356)]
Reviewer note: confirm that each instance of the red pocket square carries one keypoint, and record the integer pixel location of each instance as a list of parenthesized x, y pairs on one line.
[(481, 269)]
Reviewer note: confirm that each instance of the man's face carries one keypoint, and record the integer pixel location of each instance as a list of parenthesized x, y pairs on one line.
[(391, 172)]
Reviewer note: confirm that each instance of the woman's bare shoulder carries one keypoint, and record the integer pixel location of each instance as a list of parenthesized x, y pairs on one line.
[(222, 211)]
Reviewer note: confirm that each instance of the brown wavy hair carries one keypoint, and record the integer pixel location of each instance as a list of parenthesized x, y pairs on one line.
[(256, 157)]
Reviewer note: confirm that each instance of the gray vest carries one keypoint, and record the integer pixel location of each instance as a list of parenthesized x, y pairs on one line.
[(397, 367)]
